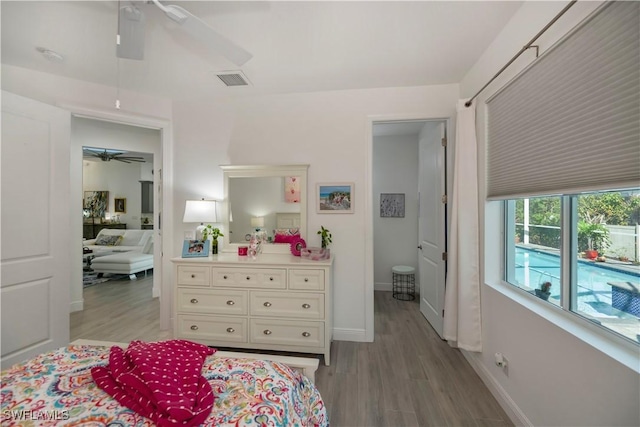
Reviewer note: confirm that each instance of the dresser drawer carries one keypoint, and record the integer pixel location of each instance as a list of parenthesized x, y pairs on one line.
[(193, 275), (216, 301), (267, 278), (306, 280), (218, 328), (292, 304), (287, 332)]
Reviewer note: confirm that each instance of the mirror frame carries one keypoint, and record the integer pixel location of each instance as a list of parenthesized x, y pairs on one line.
[(257, 171)]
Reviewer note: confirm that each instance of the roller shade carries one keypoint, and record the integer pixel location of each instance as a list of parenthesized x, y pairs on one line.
[(570, 122)]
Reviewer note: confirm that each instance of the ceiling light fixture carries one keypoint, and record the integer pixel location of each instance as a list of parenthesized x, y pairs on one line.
[(50, 55)]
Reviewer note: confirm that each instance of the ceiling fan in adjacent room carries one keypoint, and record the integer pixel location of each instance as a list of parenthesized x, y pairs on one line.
[(108, 155), (131, 25)]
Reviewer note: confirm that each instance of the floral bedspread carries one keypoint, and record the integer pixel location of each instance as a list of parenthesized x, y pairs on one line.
[(56, 388)]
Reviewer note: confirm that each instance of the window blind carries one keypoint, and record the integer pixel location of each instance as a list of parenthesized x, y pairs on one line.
[(570, 122)]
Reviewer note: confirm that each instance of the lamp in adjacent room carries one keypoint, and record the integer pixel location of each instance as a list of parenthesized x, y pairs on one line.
[(200, 211)]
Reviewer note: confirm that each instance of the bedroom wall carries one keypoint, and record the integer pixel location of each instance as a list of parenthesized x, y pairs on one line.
[(395, 170), (556, 375), (327, 130)]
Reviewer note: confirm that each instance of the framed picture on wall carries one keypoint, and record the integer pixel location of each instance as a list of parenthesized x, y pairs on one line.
[(120, 205), (392, 205), (97, 203), (335, 197)]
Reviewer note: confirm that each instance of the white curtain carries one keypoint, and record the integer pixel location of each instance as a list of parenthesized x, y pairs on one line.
[(462, 319)]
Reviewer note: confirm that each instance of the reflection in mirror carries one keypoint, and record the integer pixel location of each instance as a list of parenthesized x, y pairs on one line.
[(255, 204), (264, 198)]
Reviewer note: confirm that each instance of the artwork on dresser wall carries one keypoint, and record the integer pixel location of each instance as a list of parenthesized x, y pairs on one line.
[(196, 248), (392, 205), (120, 205), (335, 197), (97, 203)]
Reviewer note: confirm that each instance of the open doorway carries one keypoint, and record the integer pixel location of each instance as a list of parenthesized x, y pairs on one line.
[(409, 212), (119, 165)]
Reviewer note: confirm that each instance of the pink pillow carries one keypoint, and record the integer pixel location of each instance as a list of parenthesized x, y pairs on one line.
[(285, 235)]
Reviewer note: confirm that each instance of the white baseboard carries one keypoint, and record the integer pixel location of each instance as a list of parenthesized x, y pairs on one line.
[(77, 306), (382, 287), (504, 400), (344, 334)]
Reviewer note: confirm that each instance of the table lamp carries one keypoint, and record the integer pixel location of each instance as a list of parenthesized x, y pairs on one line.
[(200, 211)]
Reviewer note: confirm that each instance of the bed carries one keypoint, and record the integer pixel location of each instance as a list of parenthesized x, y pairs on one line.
[(57, 388)]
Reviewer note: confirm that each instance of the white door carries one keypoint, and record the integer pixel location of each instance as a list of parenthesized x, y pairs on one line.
[(431, 223), (35, 262)]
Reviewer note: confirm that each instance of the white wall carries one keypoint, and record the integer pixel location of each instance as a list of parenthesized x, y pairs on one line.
[(121, 181), (119, 178), (327, 130), (554, 377), (395, 170)]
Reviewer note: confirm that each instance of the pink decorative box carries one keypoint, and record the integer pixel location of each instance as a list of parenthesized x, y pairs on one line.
[(315, 254)]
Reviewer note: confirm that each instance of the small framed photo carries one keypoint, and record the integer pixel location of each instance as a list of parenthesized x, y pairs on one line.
[(335, 197), (196, 248), (392, 205), (120, 205)]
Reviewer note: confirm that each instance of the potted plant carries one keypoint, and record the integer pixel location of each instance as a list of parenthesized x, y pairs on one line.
[(544, 291), (593, 237), (214, 233), (325, 234)]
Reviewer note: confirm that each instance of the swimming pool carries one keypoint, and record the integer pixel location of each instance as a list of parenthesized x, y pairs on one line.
[(594, 293)]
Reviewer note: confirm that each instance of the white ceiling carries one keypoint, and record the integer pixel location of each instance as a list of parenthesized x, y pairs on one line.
[(297, 46)]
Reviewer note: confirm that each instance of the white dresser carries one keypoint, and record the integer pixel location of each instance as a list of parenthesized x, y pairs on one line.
[(275, 302)]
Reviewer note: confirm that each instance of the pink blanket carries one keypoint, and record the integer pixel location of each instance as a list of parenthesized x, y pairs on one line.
[(161, 381)]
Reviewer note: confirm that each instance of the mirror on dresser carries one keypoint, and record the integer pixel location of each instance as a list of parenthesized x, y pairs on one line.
[(267, 197)]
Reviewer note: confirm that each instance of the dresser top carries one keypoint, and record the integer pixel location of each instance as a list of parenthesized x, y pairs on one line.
[(261, 260)]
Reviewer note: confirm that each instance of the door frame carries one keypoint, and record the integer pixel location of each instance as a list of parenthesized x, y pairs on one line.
[(369, 200), (166, 142)]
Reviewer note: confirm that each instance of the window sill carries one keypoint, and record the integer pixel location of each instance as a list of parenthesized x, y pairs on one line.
[(618, 348)]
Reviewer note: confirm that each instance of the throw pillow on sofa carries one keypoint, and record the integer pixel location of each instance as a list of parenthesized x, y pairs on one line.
[(106, 240)]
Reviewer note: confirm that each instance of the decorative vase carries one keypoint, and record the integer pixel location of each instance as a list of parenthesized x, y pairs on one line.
[(214, 247), (543, 295), (591, 254)]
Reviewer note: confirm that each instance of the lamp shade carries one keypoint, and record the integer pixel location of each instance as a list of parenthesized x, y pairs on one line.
[(200, 211), (257, 221)]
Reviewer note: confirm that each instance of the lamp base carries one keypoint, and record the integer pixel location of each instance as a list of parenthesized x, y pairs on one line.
[(200, 232)]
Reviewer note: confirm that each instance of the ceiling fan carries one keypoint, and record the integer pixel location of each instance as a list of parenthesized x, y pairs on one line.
[(131, 24), (108, 155)]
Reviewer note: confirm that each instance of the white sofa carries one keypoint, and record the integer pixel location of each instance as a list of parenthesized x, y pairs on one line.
[(133, 254), (132, 240)]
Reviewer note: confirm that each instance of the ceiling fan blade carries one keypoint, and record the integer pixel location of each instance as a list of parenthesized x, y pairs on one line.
[(131, 24), (206, 35)]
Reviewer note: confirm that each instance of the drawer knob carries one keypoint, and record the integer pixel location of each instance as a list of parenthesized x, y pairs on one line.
[(306, 279), (266, 332), (194, 301), (194, 327), (267, 304), (230, 302), (231, 330), (193, 276), (306, 334), (248, 278), (271, 278), (224, 277), (306, 306)]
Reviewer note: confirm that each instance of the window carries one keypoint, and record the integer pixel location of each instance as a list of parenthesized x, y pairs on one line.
[(580, 253)]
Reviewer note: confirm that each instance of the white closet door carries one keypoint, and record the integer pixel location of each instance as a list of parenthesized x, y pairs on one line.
[(35, 258)]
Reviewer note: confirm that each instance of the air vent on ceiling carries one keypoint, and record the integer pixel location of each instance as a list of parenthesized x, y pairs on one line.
[(233, 78)]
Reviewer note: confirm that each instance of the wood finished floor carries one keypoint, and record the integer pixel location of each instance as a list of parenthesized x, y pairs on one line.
[(407, 377)]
